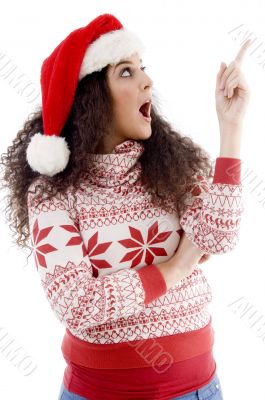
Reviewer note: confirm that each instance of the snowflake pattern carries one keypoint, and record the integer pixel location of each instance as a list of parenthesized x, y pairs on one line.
[(137, 243), (41, 249), (94, 248), (75, 240)]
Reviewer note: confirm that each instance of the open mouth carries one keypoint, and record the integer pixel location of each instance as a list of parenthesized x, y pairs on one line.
[(145, 111)]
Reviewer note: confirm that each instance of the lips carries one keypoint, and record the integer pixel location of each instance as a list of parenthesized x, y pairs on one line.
[(146, 119), (145, 109)]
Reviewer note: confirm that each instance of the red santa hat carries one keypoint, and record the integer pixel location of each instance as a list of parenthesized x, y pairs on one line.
[(85, 50)]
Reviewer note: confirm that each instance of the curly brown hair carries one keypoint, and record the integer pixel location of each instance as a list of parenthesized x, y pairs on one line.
[(170, 163)]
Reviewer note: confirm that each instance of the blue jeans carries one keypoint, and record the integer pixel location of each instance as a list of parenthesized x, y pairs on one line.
[(211, 391)]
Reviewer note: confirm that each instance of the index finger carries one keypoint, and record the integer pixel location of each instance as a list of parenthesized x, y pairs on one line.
[(242, 51)]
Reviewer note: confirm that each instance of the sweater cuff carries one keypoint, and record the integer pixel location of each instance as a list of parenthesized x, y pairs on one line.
[(227, 170), (153, 282)]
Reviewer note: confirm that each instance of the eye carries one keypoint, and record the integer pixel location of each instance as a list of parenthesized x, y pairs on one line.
[(129, 69)]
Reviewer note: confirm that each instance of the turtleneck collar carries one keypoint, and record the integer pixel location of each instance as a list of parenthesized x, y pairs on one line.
[(119, 167)]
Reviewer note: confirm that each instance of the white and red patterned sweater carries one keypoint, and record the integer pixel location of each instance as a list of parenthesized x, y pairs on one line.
[(97, 261)]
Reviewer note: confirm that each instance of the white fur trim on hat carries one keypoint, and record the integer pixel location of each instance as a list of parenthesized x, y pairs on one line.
[(110, 48), (47, 154)]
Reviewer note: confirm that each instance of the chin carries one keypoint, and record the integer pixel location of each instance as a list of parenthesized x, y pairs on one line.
[(142, 134), (146, 134)]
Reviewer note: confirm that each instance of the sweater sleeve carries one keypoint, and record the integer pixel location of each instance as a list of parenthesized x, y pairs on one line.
[(212, 214), (78, 299)]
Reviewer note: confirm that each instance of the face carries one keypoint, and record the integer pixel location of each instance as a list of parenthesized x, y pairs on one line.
[(130, 87)]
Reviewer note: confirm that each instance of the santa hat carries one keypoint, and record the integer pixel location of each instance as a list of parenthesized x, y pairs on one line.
[(85, 50)]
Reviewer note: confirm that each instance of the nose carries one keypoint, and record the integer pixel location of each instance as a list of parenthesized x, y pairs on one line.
[(147, 82)]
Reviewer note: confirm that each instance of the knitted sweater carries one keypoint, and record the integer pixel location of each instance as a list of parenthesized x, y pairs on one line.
[(97, 261)]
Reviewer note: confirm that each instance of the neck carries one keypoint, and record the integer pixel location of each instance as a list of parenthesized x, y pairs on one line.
[(108, 145)]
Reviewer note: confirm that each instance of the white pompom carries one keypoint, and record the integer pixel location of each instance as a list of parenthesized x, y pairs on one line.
[(47, 154)]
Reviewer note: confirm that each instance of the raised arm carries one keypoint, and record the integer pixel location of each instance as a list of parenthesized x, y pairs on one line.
[(212, 214)]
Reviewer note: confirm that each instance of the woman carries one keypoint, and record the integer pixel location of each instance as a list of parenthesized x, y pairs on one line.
[(120, 209)]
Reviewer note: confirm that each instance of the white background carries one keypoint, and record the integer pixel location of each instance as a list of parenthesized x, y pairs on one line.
[(186, 42)]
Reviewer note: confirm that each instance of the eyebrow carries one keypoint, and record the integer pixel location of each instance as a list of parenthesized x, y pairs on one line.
[(124, 62)]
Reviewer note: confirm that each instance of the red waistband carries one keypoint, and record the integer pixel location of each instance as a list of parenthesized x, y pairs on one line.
[(138, 353), (141, 383)]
